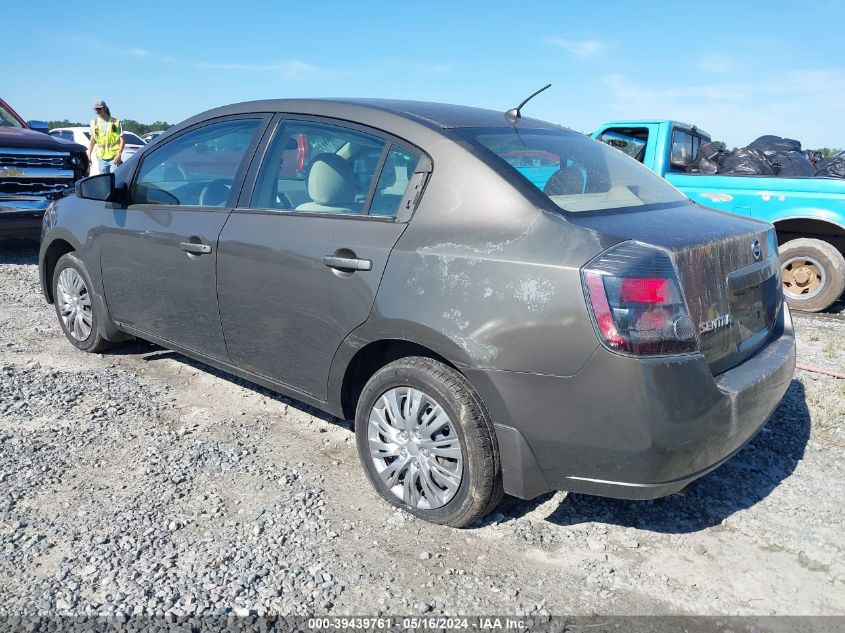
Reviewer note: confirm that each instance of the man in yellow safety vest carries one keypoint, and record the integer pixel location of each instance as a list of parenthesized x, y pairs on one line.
[(106, 138)]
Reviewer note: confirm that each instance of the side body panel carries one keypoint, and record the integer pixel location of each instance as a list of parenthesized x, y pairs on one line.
[(485, 268), (284, 312), (154, 286), (766, 198)]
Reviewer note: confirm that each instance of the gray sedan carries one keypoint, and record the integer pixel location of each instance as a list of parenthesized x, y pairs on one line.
[(501, 304)]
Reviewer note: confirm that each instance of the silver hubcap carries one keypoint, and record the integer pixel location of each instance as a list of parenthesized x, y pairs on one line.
[(74, 304), (414, 448)]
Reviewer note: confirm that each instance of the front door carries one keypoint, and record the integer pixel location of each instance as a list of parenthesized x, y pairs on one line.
[(300, 264), (159, 253)]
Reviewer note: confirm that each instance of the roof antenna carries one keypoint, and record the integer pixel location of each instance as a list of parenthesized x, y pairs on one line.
[(513, 115)]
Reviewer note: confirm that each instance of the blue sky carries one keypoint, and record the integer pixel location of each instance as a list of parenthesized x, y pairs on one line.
[(736, 69)]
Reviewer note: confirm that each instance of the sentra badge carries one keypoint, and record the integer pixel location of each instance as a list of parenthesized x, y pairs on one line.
[(723, 320)]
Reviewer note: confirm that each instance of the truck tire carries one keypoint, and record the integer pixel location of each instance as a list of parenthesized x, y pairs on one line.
[(427, 443), (813, 274)]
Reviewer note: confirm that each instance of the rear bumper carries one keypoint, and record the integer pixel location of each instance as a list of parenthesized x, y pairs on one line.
[(631, 428)]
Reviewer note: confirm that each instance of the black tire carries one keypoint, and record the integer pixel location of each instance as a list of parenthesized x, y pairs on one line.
[(93, 342), (480, 489), (828, 265)]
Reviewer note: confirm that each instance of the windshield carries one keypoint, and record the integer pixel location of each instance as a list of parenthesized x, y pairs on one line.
[(576, 172), (7, 119)]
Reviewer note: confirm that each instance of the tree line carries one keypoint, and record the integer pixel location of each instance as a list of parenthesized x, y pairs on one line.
[(129, 125)]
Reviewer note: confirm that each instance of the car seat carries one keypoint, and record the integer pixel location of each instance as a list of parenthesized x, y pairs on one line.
[(331, 186)]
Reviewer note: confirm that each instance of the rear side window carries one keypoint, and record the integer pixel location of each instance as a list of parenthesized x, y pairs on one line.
[(395, 176), (630, 140), (315, 167), (197, 168), (576, 172), (132, 139), (684, 148)]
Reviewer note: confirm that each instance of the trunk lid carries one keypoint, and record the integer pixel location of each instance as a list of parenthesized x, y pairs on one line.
[(727, 266)]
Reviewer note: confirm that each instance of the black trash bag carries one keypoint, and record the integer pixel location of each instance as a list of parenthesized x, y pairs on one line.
[(708, 159), (814, 156), (771, 144), (746, 162), (785, 155), (833, 167), (792, 165)]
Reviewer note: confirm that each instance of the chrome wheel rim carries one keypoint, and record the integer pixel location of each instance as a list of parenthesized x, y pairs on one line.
[(74, 304), (803, 278), (414, 448)]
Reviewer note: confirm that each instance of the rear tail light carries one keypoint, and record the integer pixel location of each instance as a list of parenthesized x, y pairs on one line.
[(636, 302)]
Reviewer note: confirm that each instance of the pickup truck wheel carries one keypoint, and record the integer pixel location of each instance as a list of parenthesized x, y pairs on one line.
[(813, 274), (427, 444), (75, 306)]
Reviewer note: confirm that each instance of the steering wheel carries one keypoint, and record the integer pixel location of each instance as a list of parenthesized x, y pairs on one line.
[(215, 193)]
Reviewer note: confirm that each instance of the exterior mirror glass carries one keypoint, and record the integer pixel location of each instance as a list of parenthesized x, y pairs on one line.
[(39, 126), (99, 187)]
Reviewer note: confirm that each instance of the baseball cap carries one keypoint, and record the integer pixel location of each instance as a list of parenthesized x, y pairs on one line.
[(99, 103)]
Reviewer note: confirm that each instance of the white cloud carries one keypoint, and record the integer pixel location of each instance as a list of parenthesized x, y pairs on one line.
[(582, 49), (138, 52), (803, 104), (291, 69), (713, 63)]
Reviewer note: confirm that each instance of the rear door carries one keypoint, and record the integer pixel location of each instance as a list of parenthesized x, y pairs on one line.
[(159, 253), (301, 258)]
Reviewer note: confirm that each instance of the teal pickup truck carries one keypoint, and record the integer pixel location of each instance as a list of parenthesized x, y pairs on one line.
[(808, 213)]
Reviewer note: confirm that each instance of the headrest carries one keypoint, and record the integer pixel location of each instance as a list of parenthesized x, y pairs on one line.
[(567, 180), (331, 181)]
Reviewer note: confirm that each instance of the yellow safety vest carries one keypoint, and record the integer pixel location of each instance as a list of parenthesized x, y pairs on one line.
[(106, 143)]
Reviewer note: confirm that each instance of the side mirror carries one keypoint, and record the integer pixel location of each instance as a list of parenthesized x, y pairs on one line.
[(100, 187), (39, 126)]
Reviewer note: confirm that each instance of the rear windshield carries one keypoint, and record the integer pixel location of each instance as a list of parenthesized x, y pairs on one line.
[(576, 172)]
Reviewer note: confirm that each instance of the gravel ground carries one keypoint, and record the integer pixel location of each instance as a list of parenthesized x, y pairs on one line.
[(141, 482)]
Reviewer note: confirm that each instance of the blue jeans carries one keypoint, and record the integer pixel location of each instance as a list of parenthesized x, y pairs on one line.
[(106, 165)]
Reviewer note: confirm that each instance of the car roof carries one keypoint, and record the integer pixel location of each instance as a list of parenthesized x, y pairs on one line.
[(430, 114), (641, 122)]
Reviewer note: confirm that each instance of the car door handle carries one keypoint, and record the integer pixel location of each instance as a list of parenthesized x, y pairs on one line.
[(193, 247), (347, 263)]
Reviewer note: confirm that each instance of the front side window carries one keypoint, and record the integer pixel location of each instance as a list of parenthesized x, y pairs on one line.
[(318, 168), (197, 168), (576, 172)]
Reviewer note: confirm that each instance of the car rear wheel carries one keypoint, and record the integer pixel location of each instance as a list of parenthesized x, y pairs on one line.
[(813, 274), (75, 305), (427, 444)]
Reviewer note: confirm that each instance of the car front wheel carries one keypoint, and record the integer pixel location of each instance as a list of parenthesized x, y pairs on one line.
[(75, 304), (427, 444)]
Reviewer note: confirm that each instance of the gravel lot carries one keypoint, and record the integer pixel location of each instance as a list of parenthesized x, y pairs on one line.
[(142, 482)]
